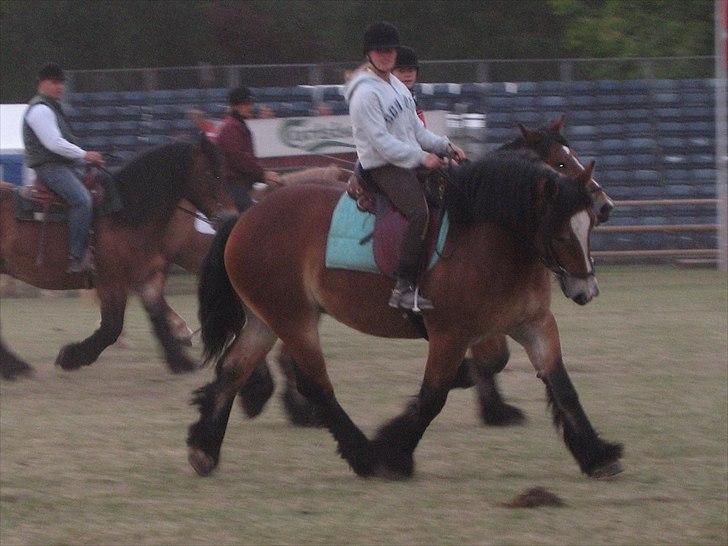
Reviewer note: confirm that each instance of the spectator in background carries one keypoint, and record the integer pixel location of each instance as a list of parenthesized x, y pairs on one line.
[(406, 69), (210, 128), (241, 169), (51, 150), (265, 112)]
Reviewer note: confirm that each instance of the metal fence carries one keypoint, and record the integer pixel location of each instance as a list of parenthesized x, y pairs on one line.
[(455, 71)]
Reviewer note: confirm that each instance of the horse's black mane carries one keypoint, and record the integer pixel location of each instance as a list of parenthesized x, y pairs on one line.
[(153, 181), (547, 138), (503, 187)]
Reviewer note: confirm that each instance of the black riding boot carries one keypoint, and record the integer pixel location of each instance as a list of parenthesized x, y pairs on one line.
[(406, 295)]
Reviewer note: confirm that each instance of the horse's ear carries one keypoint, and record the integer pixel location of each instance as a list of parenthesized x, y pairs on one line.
[(529, 135), (586, 175), (557, 124)]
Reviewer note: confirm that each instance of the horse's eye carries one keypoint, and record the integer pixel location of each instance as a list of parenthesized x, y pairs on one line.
[(562, 166)]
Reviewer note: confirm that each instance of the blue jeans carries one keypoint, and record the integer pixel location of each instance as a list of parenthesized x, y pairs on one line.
[(63, 180)]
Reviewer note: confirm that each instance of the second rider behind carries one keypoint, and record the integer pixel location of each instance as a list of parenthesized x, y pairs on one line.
[(391, 142)]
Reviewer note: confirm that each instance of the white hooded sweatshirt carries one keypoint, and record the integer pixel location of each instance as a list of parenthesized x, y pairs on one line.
[(386, 127)]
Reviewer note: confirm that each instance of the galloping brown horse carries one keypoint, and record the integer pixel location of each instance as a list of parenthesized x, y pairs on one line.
[(511, 220), (487, 357), (128, 247)]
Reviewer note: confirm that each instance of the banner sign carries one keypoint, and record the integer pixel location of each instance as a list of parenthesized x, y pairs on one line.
[(282, 137)]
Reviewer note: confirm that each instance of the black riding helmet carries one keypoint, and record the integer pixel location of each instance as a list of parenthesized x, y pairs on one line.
[(380, 35), (51, 71), (406, 58)]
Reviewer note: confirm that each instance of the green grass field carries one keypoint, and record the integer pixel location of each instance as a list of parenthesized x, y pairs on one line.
[(98, 456)]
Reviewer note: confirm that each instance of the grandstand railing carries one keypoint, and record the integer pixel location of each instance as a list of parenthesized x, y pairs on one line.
[(452, 70)]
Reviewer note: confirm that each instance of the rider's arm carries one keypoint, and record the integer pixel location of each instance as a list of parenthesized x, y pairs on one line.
[(429, 140), (43, 122), (366, 114)]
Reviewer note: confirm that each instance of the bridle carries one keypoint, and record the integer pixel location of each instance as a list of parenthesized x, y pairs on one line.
[(216, 173), (551, 261)]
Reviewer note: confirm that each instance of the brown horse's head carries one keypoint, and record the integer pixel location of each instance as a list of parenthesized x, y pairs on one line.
[(553, 148), (204, 188), (563, 238)]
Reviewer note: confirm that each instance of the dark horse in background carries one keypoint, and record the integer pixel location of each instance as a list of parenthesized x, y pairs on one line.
[(489, 356), (128, 247), (511, 216)]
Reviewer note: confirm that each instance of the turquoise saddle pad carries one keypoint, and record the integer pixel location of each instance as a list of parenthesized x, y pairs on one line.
[(349, 226)]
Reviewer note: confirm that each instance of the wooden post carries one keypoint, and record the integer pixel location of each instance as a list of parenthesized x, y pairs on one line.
[(721, 131)]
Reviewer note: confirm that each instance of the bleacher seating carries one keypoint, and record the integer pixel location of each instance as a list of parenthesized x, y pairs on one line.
[(651, 139)]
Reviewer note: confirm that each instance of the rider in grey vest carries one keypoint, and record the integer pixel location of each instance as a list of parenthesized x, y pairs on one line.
[(51, 149)]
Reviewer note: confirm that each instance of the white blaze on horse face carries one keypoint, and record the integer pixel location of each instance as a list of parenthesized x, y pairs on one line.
[(580, 224)]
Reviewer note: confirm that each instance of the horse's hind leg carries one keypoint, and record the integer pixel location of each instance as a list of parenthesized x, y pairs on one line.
[(215, 399), (83, 353), (396, 441), (155, 306), (489, 358), (596, 457), (257, 390), (301, 412), (313, 383)]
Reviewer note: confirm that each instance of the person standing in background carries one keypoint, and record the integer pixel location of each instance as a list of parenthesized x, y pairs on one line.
[(241, 168)]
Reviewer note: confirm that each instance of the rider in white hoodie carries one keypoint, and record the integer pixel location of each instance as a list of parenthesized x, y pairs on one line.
[(391, 143)]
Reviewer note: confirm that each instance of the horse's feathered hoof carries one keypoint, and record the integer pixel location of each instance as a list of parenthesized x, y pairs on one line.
[(392, 463), (201, 461), (13, 368), (607, 470), (73, 357), (503, 415)]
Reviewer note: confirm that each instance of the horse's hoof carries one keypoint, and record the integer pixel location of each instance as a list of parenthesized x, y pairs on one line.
[(201, 461), (392, 464), (71, 357), (606, 471), (13, 370), (503, 415), (393, 474)]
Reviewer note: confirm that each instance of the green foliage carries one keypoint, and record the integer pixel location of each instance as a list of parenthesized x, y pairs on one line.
[(631, 28), (139, 33)]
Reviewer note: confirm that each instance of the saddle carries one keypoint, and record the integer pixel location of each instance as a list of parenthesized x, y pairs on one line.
[(37, 202), (389, 223)]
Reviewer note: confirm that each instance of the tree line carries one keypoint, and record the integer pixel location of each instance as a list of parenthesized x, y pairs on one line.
[(98, 34)]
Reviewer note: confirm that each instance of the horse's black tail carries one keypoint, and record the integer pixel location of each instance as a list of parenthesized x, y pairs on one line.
[(221, 312)]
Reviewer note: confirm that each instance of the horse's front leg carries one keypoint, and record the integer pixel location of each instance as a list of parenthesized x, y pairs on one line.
[(112, 300), (180, 330), (151, 293), (397, 440), (490, 356), (596, 457)]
